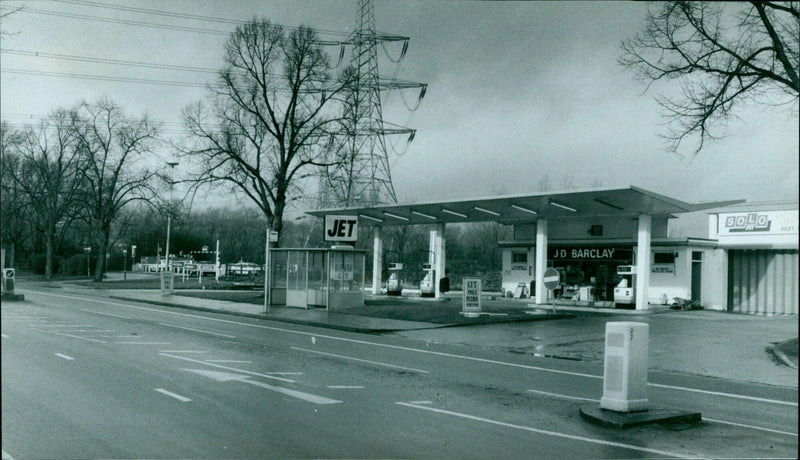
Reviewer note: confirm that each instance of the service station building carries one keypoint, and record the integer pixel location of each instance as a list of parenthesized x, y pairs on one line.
[(612, 248)]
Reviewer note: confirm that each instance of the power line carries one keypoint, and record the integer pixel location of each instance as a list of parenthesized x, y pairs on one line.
[(70, 57), (105, 78)]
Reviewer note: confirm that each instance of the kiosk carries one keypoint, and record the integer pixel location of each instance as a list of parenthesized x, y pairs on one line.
[(329, 278)]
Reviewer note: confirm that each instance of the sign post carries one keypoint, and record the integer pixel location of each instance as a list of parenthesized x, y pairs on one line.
[(272, 237), (552, 279), (471, 297)]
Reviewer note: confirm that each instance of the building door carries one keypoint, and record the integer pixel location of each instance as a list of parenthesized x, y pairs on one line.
[(697, 274), (763, 281)]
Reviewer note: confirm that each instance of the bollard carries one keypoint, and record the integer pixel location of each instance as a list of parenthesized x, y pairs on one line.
[(625, 368)]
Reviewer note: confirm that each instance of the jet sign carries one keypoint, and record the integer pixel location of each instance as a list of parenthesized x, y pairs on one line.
[(341, 228)]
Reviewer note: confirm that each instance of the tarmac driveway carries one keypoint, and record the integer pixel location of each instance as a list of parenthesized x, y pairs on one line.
[(701, 342)]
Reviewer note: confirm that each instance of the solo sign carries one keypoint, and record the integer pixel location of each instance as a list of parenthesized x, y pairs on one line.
[(341, 228)]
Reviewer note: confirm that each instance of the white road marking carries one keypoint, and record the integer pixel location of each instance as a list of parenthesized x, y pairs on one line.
[(577, 398), (106, 314), (227, 377), (705, 419), (749, 426), (69, 335), (173, 395), (143, 343), (360, 360), (547, 432), (68, 358), (728, 395), (229, 361), (6, 456), (3, 336), (198, 330), (396, 347), (181, 351), (345, 387), (281, 379)]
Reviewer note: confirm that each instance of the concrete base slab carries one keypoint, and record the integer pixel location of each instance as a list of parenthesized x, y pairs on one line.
[(622, 420), (12, 297)]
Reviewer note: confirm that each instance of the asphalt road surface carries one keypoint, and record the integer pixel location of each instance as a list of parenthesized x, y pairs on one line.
[(88, 377)]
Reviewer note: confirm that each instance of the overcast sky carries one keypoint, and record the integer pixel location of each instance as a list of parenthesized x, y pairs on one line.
[(516, 91)]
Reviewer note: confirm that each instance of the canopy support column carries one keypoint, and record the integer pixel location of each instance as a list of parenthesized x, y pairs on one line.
[(439, 249), (541, 260), (377, 260), (643, 261)]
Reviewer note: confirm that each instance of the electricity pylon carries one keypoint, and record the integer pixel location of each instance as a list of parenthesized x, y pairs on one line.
[(361, 175)]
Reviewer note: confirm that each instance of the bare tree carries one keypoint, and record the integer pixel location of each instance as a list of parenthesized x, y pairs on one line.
[(14, 226), (112, 147), (269, 119), (47, 179), (723, 54)]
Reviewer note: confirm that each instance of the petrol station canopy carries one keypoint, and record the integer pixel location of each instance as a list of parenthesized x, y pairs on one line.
[(596, 202)]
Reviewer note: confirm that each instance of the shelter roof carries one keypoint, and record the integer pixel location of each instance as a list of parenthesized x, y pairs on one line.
[(596, 202)]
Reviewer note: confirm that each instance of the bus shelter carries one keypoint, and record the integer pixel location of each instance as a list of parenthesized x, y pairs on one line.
[(329, 278)]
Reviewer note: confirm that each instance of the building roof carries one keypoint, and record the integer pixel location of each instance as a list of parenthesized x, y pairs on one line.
[(596, 202)]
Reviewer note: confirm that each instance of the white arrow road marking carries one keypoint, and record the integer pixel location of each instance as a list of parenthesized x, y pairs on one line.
[(661, 453), (228, 377), (173, 395), (68, 358), (281, 379), (360, 360)]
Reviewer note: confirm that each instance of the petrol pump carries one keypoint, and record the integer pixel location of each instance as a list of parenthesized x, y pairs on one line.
[(393, 286), (427, 287), (625, 290)]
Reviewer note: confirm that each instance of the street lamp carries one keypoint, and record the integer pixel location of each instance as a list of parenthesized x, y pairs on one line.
[(171, 165)]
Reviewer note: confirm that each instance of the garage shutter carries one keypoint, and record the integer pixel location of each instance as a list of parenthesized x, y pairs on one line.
[(763, 281)]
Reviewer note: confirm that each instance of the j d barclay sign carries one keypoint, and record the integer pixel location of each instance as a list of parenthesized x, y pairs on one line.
[(591, 253), (771, 223)]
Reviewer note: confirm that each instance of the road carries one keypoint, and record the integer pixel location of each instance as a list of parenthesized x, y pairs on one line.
[(90, 377)]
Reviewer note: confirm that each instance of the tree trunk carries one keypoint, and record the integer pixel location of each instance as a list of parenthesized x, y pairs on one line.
[(48, 265), (100, 266)]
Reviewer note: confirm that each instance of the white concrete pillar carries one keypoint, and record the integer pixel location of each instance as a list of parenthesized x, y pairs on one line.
[(377, 260), (643, 262), (440, 247), (541, 260), (625, 367)]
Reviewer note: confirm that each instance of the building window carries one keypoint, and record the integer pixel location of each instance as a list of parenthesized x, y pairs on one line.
[(697, 256), (663, 258), (519, 257)]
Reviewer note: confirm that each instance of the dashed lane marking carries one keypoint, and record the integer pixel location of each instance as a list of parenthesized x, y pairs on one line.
[(360, 360), (603, 442), (68, 358), (173, 395)]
